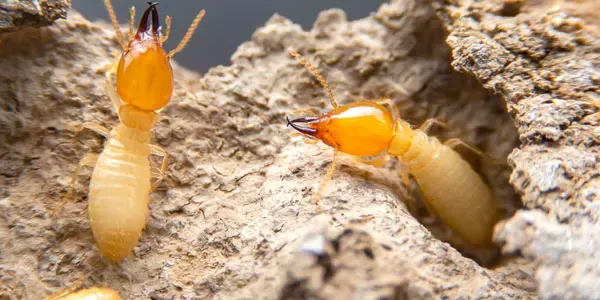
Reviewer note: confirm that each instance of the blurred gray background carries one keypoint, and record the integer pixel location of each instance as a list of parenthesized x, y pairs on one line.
[(227, 23)]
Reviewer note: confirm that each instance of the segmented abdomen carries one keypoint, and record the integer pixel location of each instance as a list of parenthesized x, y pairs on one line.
[(453, 189), (92, 294), (119, 196)]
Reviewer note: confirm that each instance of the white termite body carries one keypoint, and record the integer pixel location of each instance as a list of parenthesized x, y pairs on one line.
[(119, 192)]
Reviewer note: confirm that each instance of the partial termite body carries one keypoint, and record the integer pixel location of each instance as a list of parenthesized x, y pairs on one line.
[(94, 293), (122, 177), (452, 190)]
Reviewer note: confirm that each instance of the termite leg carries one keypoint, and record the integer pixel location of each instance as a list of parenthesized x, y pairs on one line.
[(326, 179), (310, 141), (388, 102), (158, 151), (383, 102), (157, 174), (90, 161), (168, 30), (110, 87), (426, 126), (317, 75), (404, 174), (377, 162), (455, 142), (67, 290), (97, 128), (188, 34), (306, 138), (131, 23)]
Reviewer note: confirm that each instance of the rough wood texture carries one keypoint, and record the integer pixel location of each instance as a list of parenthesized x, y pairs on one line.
[(17, 14), (544, 59), (236, 221)]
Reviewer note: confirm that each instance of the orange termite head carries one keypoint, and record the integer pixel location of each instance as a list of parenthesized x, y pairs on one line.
[(360, 128), (144, 74)]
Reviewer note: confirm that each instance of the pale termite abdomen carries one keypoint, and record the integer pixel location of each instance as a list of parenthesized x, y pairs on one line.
[(94, 293), (119, 192), (452, 188)]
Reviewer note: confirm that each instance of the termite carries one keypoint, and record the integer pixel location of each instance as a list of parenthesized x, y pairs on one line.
[(452, 190), (94, 293), (122, 177)]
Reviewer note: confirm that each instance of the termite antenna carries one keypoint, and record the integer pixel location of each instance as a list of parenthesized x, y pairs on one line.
[(115, 23), (317, 75), (131, 23), (167, 31), (188, 35)]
